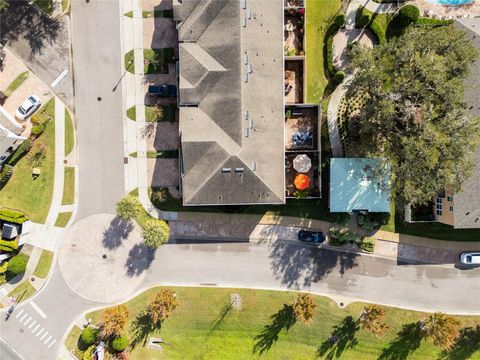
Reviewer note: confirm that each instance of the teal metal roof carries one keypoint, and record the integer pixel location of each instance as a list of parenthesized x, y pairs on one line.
[(359, 184)]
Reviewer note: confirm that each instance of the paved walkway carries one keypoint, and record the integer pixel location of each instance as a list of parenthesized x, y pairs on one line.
[(332, 118), (58, 183)]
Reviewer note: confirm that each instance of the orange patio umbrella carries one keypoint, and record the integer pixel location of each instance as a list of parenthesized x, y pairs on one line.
[(301, 181)]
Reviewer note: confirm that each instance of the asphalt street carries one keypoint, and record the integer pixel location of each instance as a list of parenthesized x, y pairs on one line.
[(281, 266), (97, 58)]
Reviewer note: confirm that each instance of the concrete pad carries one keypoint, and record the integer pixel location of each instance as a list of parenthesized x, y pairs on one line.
[(164, 137), (159, 32), (162, 172), (10, 69), (103, 258)]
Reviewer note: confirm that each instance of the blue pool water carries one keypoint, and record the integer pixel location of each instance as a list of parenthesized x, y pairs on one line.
[(451, 2)]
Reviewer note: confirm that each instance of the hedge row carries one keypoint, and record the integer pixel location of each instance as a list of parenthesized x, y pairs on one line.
[(425, 21), (9, 245), (13, 216), (20, 152), (332, 30), (5, 175)]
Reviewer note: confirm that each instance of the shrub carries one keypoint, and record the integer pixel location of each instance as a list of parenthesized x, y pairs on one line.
[(3, 279), (13, 216), (332, 30), (379, 32), (362, 19), (3, 267), (338, 78), (407, 15), (20, 152), (37, 130), (128, 207), (9, 245), (340, 237), (16, 266), (89, 353), (5, 175), (368, 244), (88, 337), (120, 343), (339, 20), (155, 233), (425, 21)]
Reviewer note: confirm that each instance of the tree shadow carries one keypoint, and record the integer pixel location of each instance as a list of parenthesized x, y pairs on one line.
[(25, 21), (117, 231), (282, 320), (407, 341), (140, 257), (343, 337), (467, 343), (148, 130), (298, 265), (227, 308), (141, 327)]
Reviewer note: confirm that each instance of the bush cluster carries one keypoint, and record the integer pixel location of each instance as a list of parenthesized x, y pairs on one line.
[(9, 245), (5, 175), (120, 343), (425, 21), (16, 266), (340, 237), (367, 244), (20, 152), (13, 216), (407, 15), (88, 337), (332, 30), (37, 130), (338, 78)]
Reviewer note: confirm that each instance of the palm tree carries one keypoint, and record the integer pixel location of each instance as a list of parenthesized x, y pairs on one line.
[(304, 308), (372, 320), (113, 321), (441, 329), (127, 208), (155, 233), (160, 195), (162, 305)]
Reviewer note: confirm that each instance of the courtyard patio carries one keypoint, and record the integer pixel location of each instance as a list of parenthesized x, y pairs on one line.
[(301, 128), (294, 32), (294, 81)]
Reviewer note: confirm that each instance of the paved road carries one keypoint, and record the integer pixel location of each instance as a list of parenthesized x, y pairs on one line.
[(97, 55), (7, 352), (279, 266), (41, 42)]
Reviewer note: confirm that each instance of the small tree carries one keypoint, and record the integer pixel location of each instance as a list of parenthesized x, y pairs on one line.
[(441, 329), (127, 208), (372, 320), (155, 233), (38, 154), (304, 308), (162, 305), (113, 321)]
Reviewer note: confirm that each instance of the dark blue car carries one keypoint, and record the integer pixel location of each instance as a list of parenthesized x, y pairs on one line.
[(315, 237)]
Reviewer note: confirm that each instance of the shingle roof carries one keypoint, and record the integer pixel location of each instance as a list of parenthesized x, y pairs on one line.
[(214, 99), (466, 208)]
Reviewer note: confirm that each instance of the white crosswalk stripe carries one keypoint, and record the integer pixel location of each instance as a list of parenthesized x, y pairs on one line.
[(35, 328), (31, 325), (23, 317), (20, 313), (44, 335), (28, 320), (48, 339), (53, 342), (41, 331)]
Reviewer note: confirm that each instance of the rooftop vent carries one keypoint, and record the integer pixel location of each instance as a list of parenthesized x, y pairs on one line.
[(245, 115), (244, 22), (254, 165), (239, 170), (245, 77), (247, 132), (250, 68), (245, 58), (250, 123), (250, 14), (244, 4), (226, 170)]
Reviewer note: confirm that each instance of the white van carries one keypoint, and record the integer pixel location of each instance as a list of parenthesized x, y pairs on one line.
[(470, 258)]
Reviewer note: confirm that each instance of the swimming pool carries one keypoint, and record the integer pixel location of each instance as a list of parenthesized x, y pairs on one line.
[(451, 2)]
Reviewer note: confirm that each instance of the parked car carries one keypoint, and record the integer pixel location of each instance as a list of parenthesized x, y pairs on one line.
[(315, 237), (163, 90), (470, 258), (5, 256), (28, 107)]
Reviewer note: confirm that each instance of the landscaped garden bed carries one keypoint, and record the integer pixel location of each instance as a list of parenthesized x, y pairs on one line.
[(155, 60), (154, 113), (209, 323)]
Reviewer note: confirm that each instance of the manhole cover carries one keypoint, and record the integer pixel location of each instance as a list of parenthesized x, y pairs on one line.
[(104, 256), (99, 98)]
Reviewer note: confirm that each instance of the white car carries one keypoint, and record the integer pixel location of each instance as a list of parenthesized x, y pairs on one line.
[(470, 258), (28, 107)]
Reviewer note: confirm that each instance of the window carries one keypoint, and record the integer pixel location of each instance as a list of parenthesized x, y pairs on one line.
[(450, 208), (439, 212), (450, 198)]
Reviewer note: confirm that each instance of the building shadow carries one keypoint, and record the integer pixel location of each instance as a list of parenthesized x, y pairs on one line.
[(467, 343), (297, 265), (343, 337), (117, 231), (407, 341), (282, 320), (139, 259)]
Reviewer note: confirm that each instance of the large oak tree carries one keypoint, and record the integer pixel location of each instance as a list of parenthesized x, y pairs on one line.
[(414, 112)]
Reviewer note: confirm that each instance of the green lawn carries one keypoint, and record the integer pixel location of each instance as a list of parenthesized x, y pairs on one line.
[(204, 326), (22, 192), (152, 113), (319, 17), (45, 5), (44, 264), (69, 186), (23, 291), (64, 5), (156, 60), (69, 133), (15, 84), (63, 219), (71, 342), (166, 154), (155, 13)]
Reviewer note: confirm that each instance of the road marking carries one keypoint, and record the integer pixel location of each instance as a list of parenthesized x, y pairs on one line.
[(36, 307), (41, 331), (28, 320), (33, 323), (44, 335), (20, 313), (59, 78), (36, 327), (47, 339), (53, 342), (23, 317)]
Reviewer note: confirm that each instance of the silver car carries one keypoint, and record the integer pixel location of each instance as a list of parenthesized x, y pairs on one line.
[(28, 107), (470, 258)]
